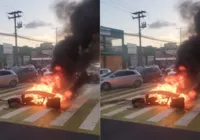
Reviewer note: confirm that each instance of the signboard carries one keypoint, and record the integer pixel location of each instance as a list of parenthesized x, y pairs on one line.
[(132, 48), (7, 48)]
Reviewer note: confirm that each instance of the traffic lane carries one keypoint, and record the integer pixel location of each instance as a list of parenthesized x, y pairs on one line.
[(118, 130), (10, 131)]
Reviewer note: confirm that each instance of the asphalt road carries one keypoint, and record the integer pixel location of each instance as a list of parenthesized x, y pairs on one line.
[(10, 131), (119, 130)]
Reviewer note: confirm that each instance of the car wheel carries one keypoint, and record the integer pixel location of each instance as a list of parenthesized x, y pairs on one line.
[(13, 83), (106, 86), (137, 83)]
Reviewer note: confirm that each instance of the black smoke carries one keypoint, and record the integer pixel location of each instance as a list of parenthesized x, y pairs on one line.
[(188, 54), (188, 9), (77, 51)]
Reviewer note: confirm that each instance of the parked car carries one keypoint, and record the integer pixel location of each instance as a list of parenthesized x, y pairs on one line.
[(8, 78), (151, 73), (121, 78), (104, 71), (27, 74)]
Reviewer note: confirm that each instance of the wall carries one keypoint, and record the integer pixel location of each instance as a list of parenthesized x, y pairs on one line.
[(114, 62)]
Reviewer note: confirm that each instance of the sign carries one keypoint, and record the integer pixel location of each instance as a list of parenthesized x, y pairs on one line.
[(132, 48), (7, 48)]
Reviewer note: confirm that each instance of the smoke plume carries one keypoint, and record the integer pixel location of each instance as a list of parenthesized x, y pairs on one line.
[(188, 9), (77, 51), (188, 54), (36, 24), (160, 24)]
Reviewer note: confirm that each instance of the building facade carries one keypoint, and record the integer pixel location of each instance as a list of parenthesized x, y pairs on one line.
[(113, 51)]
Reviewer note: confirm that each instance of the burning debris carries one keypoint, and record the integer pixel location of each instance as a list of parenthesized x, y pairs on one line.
[(173, 93), (48, 92)]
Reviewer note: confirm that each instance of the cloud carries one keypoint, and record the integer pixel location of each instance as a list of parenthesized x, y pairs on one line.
[(160, 24), (35, 24)]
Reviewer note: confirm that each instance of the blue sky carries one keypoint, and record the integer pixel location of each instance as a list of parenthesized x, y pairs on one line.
[(115, 14), (32, 10)]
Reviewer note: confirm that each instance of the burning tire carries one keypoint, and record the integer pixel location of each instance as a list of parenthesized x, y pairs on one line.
[(106, 86)]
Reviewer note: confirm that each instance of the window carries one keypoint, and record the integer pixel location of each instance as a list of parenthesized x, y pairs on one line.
[(3, 73), (121, 73), (130, 73)]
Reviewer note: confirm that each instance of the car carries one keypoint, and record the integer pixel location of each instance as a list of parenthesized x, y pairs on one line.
[(26, 73), (46, 68), (104, 71), (151, 73), (121, 78), (8, 78)]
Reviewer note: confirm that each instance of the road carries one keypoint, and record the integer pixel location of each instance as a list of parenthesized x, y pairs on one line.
[(115, 110), (82, 120)]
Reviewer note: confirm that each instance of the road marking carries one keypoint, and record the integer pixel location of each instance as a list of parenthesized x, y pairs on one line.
[(187, 118), (109, 106), (65, 116), (13, 92), (127, 95), (115, 111), (161, 115), (9, 97), (139, 112), (37, 115), (15, 112), (12, 89), (126, 91), (90, 122)]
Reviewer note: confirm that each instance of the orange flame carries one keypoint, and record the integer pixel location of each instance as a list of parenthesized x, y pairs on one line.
[(172, 84), (50, 84)]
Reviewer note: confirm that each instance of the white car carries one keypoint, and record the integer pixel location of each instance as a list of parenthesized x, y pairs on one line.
[(104, 71), (121, 78)]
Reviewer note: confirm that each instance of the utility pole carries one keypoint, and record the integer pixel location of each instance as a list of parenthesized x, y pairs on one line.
[(139, 15), (56, 34), (15, 15)]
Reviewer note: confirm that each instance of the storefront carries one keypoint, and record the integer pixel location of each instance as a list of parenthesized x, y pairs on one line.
[(113, 51)]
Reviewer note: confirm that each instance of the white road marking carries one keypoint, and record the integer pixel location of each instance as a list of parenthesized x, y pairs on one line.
[(116, 111), (90, 122), (15, 112), (161, 115), (65, 116), (126, 95), (188, 117), (139, 112), (37, 115)]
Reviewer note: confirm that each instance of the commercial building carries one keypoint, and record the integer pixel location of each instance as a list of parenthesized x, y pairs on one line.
[(11, 55), (113, 51)]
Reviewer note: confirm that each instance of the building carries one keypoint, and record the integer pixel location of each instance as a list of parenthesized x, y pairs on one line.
[(11, 55), (113, 51)]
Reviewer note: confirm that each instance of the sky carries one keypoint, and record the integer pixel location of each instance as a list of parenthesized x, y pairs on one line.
[(116, 14), (33, 11)]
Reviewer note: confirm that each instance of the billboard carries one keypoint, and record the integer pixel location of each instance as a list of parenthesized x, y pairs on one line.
[(7, 48), (132, 48)]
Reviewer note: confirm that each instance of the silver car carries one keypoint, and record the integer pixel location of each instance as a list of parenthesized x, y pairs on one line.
[(121, 78), (8, 78)]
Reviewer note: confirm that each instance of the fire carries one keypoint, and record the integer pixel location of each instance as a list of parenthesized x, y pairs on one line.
[(172, 84), (48, 87)]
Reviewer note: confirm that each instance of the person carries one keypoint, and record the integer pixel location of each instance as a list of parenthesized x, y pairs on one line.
[(77, 51)]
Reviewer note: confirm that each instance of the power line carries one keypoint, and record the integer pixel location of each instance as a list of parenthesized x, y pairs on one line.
[(116, 6), (148, 37), (24, 37), (116, 2)]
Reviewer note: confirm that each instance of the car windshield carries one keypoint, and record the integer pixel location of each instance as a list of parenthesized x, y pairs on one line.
[(108, 74)]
